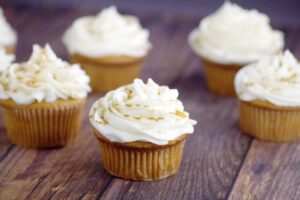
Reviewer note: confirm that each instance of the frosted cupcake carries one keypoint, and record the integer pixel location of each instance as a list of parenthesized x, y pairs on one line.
[(141, 130), (42, 100), (8, 36), (5, 61), (269, 98), (111, 47), (229, 39)]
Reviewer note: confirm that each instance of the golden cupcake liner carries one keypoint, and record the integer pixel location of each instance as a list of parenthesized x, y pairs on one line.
[(10, 49), (220, 77), (43, 125), (141, 161), (268, 122), (108, 74)]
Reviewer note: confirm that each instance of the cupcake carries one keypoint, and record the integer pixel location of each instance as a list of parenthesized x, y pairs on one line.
[(8, 36), (5, 61), (269, 98), (141, 129), (42, 100), (230, 38), (111, 47)]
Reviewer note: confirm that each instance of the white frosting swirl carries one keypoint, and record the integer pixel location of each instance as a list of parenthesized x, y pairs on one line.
[(5, 60), (107, 34), (233, 35), (141, 112), (44, 77), (275, 79), (8, 36)]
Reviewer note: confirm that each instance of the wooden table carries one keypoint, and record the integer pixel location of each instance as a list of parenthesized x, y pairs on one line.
[(219, 162)]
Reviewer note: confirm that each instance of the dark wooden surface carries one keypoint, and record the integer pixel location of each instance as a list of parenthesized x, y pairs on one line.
[(218, 162)]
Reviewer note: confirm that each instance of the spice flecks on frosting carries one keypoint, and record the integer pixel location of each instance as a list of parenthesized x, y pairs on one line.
[(44, 77), (233, 35), (275, 79), (141, 112), (107, 34)]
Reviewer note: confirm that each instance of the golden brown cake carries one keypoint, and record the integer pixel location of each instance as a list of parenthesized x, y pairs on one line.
[(109, 73)]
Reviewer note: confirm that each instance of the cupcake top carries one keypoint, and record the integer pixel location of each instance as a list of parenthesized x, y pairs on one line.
[(8, 36), (5, 60), (107, 34), (44, 77), (141, 112), (275, 79), (233, 35)]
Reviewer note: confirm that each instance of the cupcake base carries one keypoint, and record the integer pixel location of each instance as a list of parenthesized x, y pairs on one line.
[(269, 122), (43, 125), (220, 77), (142, 161), (10, 49), (110, 72)]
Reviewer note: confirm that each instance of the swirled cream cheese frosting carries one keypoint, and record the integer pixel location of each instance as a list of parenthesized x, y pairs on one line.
[(5, 60), (107, 34), (43, 78), (141, 112), (275, 79), (233, 35), (8, 36)]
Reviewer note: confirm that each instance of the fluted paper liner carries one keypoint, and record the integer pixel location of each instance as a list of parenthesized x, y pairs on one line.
[(10, 49), (109, 73), (220, 77), (268, 122), (141, 161), (43, 125)]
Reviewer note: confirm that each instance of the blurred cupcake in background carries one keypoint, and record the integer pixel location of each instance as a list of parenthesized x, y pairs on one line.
[(42, 100), (8, 36), (269, 98), (110, 47), (141, 129), (229, 39)]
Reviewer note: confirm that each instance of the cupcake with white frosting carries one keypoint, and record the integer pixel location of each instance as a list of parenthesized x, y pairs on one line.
[(269, 98), (8, 36), (110, 46), (231, 38), (5, 61), (141, 124), (43, 99)]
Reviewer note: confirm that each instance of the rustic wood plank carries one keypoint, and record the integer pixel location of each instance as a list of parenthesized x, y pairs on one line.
[(213, 155), (270, 171)]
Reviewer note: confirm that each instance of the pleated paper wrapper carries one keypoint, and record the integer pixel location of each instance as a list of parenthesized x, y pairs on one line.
[(43, 125), (109, 73), (141, 161), (268, 122)]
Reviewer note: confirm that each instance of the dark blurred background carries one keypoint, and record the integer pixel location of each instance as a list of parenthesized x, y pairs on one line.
[(281, 11)]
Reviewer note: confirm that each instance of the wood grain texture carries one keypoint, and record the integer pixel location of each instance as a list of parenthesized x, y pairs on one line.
[(270, 171), (213, 157)]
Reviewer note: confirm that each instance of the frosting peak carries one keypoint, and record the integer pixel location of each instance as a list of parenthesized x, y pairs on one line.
[(141, 112), (8, 36), (233, 35), (275, 79), (5, 60), (107, 34), (44, 77)]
